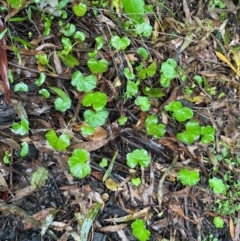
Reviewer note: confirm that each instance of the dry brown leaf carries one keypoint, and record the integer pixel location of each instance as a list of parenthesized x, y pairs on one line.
[(139, 214), (113, 228), (231, 228), (89, 146), (40, 216), (23, 192), (3, 183), (12, 143), (225, 60), (57, 63), (112, 185)]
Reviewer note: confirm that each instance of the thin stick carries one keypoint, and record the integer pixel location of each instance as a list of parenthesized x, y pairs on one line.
[(160, 185)]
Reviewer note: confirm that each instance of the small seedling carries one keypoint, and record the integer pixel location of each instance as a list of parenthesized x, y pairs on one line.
[(143, 52), (120, 43), (180, 113), (168, 72), (138, 157), (68, 29), (97, 99), (103, 163), (136, 181), (58, 143), (128, 74), (188, 177), (97, 66), (95, 118), (6, 158), (218, 222), (79, 163), (82, 83), (139, 230), (44, 93), (39, 177), (217, 185), (146, 72), (191, 134), (67, 46), (122, 120), (153, 128), (80, 36), (99, 42), (143, 102), (63, 102), (144, 29), (25, 149), (21, 87), (208, 133), (41, 79), (132, 89), (80, 9), (21, 128), (42, 59)]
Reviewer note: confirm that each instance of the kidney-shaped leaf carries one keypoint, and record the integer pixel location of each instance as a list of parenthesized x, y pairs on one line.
[(78, 163)]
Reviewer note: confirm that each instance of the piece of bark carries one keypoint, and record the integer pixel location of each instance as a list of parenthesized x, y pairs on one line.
[(4, 64)]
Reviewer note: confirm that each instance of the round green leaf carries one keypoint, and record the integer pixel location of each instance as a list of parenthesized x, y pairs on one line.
[(218, 222), (188, 177), (173, 106), (95, 118), (79, 36), (183, 114), (80, 9), (144, 29), (62, 104), (120, 43), (139, 230), (138, 156), (186, 137), (82, 83), (151, 119), (78, 163), (97, 99), (143, 102), (58, 143), (21, 128), (143, 52), (68, 30), (156, 130), (97, 66), (217, 185)]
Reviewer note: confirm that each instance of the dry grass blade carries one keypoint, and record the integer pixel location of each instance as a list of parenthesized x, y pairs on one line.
[(4, 64)]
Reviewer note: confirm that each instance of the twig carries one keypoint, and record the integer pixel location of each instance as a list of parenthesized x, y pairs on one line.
[(160, 185)]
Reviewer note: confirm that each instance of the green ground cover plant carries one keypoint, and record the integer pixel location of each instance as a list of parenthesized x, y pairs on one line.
[(141, 86)]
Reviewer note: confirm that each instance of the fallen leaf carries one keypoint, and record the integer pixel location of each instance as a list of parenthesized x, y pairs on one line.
[(225, 60), (112, 185), (231, 228), (40, 216)]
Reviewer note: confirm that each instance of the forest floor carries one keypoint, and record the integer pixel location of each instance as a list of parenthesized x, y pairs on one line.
[(121, 122)]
